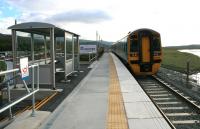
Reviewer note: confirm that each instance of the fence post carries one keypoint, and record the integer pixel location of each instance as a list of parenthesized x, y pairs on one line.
[(89, 56), (33, 96), (188, 73), (9, 100)]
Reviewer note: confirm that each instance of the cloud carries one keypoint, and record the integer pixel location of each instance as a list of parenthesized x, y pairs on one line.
[(85, 16), (37, 17), (5, 23)]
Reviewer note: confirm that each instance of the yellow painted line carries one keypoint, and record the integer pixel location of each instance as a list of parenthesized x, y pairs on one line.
[(116, 117), (48, 99)]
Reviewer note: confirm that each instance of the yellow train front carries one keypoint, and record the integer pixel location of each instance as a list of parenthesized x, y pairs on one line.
[(141, 50)]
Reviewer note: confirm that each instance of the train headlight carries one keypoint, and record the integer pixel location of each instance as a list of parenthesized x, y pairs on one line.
[(157, 53)]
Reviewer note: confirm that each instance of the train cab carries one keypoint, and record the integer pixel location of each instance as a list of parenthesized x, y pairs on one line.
[(141, 50)]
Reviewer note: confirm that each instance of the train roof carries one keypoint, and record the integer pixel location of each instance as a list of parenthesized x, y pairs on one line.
[(138, 30), (143, 29)]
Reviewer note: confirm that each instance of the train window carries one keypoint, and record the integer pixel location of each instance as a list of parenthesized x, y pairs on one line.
[(156, 44), (134, 45), (124, 47)]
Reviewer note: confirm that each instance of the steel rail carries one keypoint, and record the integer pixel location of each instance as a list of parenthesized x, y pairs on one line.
[(179, 95), (162, 113)]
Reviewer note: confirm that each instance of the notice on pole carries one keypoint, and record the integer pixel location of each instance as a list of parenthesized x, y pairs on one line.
[(24, 68), (88, 49)]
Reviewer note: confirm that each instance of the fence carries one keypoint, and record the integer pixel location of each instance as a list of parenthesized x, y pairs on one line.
[(89, 57), (29, 92), (178, 78)]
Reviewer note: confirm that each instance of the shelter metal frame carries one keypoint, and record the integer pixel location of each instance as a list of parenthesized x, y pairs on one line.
[(44, 29)]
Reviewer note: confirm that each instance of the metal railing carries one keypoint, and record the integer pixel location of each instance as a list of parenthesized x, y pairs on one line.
[(29, 92), (90, 56)]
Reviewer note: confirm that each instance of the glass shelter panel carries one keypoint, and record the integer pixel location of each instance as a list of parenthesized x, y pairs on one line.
[(60, 54), (76, 53), (39, 52), (23, 46), (59, 47), (48, 47), (68, 46)]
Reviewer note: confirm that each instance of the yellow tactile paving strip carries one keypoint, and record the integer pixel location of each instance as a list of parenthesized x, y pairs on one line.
[(116, 117)]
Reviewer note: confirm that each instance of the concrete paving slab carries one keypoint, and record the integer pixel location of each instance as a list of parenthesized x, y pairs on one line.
[(26, 121), (141, 110), (155, 123), (139, 97), (130, 88)]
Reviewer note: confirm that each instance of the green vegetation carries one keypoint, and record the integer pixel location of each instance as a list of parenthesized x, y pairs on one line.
[(5, 42), (175, 60), (185, 47), (85, 57), (2, 68), (100, 52)]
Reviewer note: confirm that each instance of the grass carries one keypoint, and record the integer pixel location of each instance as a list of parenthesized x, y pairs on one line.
[(85, 57), (2, 68), (175, 60)]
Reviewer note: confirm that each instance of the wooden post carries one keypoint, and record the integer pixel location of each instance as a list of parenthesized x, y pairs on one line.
[(188, 73)]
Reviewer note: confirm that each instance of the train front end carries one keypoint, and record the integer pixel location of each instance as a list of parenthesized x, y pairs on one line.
[(145, 53)]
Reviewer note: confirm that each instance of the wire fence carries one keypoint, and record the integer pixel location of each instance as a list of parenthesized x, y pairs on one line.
[(178, 78)]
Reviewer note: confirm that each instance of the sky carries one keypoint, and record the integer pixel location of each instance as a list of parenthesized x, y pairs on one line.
[(178, 21)]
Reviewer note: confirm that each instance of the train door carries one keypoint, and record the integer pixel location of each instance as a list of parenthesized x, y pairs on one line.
[(145, 53), (145, 49)]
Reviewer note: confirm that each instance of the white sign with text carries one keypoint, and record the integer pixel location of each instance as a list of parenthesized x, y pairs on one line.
[(88, 49)]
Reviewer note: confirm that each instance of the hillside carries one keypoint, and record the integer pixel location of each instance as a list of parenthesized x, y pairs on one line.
[(175, 60), (6, 42), (184, 47)]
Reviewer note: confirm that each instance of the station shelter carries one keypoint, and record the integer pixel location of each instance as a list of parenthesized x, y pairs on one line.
[(56, 50)]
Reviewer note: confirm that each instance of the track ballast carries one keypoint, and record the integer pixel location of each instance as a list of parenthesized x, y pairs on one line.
[(179, 109)]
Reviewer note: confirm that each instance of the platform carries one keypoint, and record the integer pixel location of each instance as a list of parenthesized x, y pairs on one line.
[(141, 112), (86, 106), (108, 97), (26, 121)]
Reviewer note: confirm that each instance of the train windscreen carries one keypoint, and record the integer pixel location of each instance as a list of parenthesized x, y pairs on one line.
[(156, 44), (134, 45)]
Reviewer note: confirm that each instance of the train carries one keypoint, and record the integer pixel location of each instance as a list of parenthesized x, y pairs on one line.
[(141, 50)]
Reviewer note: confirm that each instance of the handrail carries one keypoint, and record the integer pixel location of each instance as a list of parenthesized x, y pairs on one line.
[(15, 70), (29, 93)]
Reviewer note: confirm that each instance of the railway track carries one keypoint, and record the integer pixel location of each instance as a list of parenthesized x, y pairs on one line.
[(179, 109)]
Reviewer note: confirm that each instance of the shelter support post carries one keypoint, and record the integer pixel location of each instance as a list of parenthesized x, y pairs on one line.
[(45, 49), (78, 53), (73, 52), (52, 58), (32, 47), (14, 52), (65, 52)]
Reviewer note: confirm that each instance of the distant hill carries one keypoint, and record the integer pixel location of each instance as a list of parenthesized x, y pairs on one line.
[(6, 42), (92, 42), (184, 47)]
